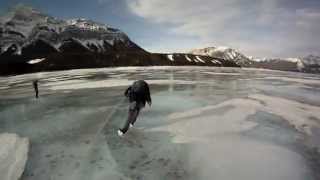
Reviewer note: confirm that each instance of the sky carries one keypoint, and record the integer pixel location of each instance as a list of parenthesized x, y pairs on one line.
[(259, 28)]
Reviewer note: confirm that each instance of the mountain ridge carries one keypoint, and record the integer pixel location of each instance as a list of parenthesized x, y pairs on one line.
[(308, 64), (27, 35), (223, 53)]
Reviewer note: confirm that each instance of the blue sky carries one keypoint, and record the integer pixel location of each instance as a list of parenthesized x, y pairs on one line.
[(261, 28)]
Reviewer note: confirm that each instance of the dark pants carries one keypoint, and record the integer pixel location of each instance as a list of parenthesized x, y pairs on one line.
[(133, 113), (37, 93), (35, 86)]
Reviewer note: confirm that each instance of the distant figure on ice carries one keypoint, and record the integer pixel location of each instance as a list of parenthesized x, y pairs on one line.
[(35, 86), (138, 94)]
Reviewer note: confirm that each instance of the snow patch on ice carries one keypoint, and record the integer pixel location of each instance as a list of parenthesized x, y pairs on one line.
[(13, 156), (296, 113), (233, 121)]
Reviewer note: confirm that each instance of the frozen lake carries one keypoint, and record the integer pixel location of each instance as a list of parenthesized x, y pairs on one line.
[(204, 123)]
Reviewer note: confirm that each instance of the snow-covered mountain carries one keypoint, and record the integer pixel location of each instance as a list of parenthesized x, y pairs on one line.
[(310, 64), (224, 53), (25, 27), (31, 41), (312, 60)]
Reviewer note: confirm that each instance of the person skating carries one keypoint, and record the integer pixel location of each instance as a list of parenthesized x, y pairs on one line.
[(35, 86), (138, 94)]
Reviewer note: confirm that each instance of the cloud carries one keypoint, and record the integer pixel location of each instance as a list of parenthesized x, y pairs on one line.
[(257, 27)]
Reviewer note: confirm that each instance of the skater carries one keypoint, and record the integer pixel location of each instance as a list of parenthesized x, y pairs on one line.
[(138, 94), (35, 86)]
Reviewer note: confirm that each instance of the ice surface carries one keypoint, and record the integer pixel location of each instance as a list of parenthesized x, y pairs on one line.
[(204, 123), (13, 156), (82, 84), (224, 74), (296, 80)]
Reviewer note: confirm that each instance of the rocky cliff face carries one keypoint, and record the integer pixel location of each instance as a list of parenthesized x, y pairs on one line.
[(25, 28)]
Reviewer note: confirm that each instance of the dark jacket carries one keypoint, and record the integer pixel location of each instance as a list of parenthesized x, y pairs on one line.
[(139, 91)]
